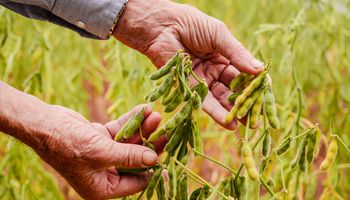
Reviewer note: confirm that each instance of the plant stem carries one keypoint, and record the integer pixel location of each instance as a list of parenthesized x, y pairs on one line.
[(197, 178), (302, 134), (267, 187), (343, 143), (197, 78), (214, 161)]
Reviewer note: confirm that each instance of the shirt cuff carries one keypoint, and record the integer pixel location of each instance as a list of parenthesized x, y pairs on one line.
[(97, 17)]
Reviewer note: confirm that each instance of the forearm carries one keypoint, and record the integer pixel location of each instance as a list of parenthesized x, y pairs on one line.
[(24, 117)]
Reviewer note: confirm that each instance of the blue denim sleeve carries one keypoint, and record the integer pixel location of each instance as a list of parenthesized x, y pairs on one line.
[(90, 18)]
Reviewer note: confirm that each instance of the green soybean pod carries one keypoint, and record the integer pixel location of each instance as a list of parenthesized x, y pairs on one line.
[(198, 141), (266, 147), (249, 102), (175, 103), (232, 98), (179, 117), (134, 124), (256, 111), (196, 194), (183, 151), (237, 80), (297, 157), (284, 147), (130, 127), (331, 154), (202, 90), (311, 147), (169, 98), (270, 108), (184, 188), (153, 183), (256, 83), (167, 67), (161, 189), (269, 167), (197, 102), (172, 180), (175, 140), (302, 160), (231, 115), (249, 161), (168, 83)]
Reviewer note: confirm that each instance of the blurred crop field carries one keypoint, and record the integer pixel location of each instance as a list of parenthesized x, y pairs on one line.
[(308, 42)]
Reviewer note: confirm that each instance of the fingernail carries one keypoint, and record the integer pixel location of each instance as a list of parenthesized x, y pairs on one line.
[(256, 64), (149, 158)]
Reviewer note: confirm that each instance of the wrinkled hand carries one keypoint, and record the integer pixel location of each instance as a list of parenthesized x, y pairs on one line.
[(158, 28), (85, 153)]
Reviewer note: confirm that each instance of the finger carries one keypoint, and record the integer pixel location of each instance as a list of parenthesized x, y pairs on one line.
[(214, 109), (228, 46), (115, 125), (160, 144), (229, 73), (130, 156), (149, 125), (221, 93), (125, 185)]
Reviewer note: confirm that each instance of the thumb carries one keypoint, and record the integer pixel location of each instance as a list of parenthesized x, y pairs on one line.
[(228, 46), (131, 156)]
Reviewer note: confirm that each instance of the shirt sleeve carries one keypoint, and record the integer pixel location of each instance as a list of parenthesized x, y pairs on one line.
[(90, 18)]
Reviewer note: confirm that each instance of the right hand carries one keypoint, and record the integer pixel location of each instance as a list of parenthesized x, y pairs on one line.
[(158, 28)]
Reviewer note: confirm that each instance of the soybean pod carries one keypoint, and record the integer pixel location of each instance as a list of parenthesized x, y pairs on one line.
[(284, 147), (175, 103), (249, 162), (311, 146), (237, 80), (161, 189), (256, 111), (249, 102), (266, 146), (270, 108), (179, 117), (130, 127), (172, 179), (232, 98), (302, 146), (270, 163), (167, 67), (175, 139), (331, 154), (168, 83), (170, 97), (153, 183)]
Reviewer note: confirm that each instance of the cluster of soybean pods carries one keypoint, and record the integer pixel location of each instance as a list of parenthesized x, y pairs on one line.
[(252, 96)]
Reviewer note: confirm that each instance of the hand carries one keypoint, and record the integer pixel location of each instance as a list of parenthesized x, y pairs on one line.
[(85, 154), (158, 28)]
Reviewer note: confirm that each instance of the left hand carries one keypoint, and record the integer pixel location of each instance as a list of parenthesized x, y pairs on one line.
[(158, 28)]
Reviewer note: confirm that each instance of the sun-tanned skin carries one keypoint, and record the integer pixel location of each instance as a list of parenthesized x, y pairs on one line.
[(85, 153)]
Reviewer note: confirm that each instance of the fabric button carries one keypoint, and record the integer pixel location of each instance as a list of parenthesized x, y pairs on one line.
[(80, 24)]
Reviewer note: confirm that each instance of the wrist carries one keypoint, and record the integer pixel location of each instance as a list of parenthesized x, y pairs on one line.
[(142, 21), (24, 117)]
